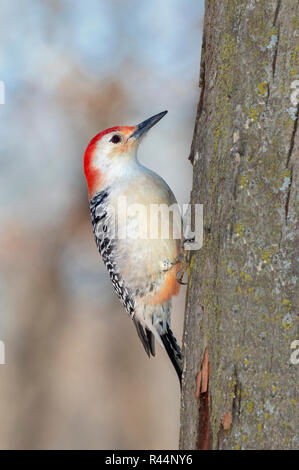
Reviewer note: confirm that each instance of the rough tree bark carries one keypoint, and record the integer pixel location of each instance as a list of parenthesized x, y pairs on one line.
[(239, 378)]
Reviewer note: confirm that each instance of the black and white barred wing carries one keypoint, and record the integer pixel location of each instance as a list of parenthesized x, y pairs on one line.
[(103, 230), (105, 239)]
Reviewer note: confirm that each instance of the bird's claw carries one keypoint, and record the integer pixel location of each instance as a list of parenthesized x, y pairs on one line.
[(179, 277), (181, 273), (182, 259), (188, 240)]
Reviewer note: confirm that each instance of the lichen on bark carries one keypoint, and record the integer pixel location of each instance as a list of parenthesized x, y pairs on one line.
[(241, 301)]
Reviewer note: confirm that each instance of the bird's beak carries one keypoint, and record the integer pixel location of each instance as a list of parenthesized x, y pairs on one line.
[(144, 126)]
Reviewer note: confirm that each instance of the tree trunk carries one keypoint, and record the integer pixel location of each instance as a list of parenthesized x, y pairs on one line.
[(239, 372)]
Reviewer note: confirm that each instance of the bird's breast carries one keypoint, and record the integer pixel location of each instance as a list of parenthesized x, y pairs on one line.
[(148, 229)]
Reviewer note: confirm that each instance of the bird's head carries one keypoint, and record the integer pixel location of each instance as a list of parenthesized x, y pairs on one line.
[(109, 153)]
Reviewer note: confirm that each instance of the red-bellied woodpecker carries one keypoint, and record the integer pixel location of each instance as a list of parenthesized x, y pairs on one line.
[(143, 270)]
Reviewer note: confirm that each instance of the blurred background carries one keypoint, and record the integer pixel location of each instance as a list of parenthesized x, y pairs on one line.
[(76, 374)]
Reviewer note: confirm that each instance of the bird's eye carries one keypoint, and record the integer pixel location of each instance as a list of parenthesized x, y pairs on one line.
[(115, 139)]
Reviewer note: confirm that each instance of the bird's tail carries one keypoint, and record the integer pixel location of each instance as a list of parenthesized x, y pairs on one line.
[(173, 350)]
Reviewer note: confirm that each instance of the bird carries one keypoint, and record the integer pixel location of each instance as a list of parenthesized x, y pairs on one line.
[(144, 270)]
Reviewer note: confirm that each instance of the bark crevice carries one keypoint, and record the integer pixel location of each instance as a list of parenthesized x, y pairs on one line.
[(276, 12), (293, 136)]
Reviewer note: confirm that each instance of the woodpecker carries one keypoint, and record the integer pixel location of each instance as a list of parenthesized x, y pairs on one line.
[(144, 271)]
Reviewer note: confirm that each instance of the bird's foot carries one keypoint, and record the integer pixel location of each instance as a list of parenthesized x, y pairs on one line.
[(184, 268), (188, 240), (184, 259)]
